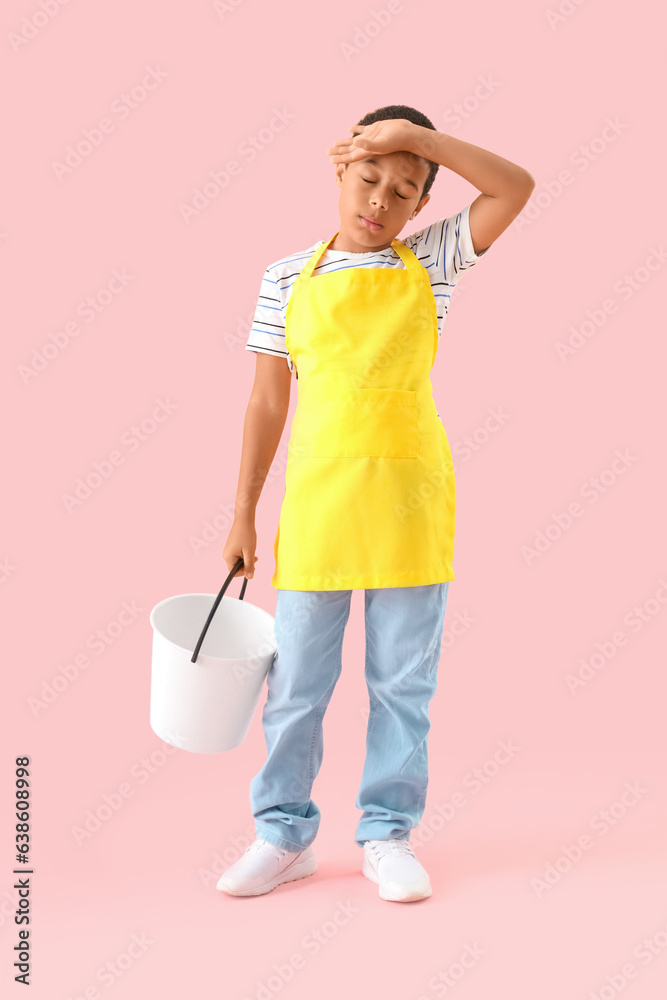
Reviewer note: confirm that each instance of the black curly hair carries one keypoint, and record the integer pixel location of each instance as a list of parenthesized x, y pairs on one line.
[(412, 115)]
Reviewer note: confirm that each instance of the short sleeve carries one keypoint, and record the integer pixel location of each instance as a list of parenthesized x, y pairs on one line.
[(267, 333), (446, 247)]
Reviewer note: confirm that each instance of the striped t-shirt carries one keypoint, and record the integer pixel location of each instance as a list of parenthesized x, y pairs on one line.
[(444, 248)]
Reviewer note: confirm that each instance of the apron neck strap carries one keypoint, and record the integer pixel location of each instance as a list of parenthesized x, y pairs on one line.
[(404, 252)]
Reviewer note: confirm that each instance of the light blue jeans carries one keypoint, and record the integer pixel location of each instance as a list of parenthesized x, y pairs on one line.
[(404, 627)]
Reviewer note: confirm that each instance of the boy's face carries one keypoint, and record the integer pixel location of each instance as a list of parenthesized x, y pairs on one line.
[(383, 187)]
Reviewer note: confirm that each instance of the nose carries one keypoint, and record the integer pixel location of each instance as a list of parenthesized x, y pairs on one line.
[(377, 199)]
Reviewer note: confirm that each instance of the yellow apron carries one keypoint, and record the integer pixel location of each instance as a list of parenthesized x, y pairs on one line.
[(369, 494)]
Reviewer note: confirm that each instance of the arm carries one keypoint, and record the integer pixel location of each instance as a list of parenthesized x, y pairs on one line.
[(263, 426), (505, 186)]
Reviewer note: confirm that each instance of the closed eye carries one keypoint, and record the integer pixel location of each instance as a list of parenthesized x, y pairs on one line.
[(373, 182)]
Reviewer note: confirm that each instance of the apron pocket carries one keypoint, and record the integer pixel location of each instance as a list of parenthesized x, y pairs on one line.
[(373, 423)]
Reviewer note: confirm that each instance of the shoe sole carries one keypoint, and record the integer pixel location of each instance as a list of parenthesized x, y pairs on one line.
[(302, 870), (393, 897)]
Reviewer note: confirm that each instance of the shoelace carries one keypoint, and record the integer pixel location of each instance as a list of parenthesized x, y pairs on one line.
[(396, 848)]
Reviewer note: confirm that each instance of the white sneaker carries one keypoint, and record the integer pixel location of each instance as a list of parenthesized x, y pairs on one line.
[(263, 866), (393, 865)]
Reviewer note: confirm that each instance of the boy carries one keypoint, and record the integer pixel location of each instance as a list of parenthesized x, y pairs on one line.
[(369, 487)]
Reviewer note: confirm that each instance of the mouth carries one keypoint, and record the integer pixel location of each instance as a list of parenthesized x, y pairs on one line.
[(371, 224)]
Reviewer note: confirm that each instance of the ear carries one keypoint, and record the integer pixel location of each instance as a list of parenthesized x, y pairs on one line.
[(420, 205), (339, 173)]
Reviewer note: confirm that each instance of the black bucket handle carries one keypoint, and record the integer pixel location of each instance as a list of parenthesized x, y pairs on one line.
[(232, 574)]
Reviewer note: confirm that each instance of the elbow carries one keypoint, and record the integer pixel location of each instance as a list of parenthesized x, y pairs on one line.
[(524, 189), (528, 181)]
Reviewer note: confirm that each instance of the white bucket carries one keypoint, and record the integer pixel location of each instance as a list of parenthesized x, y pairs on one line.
[(206, 706)]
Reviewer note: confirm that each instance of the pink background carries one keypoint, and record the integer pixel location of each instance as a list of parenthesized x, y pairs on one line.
[(177, 332)]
